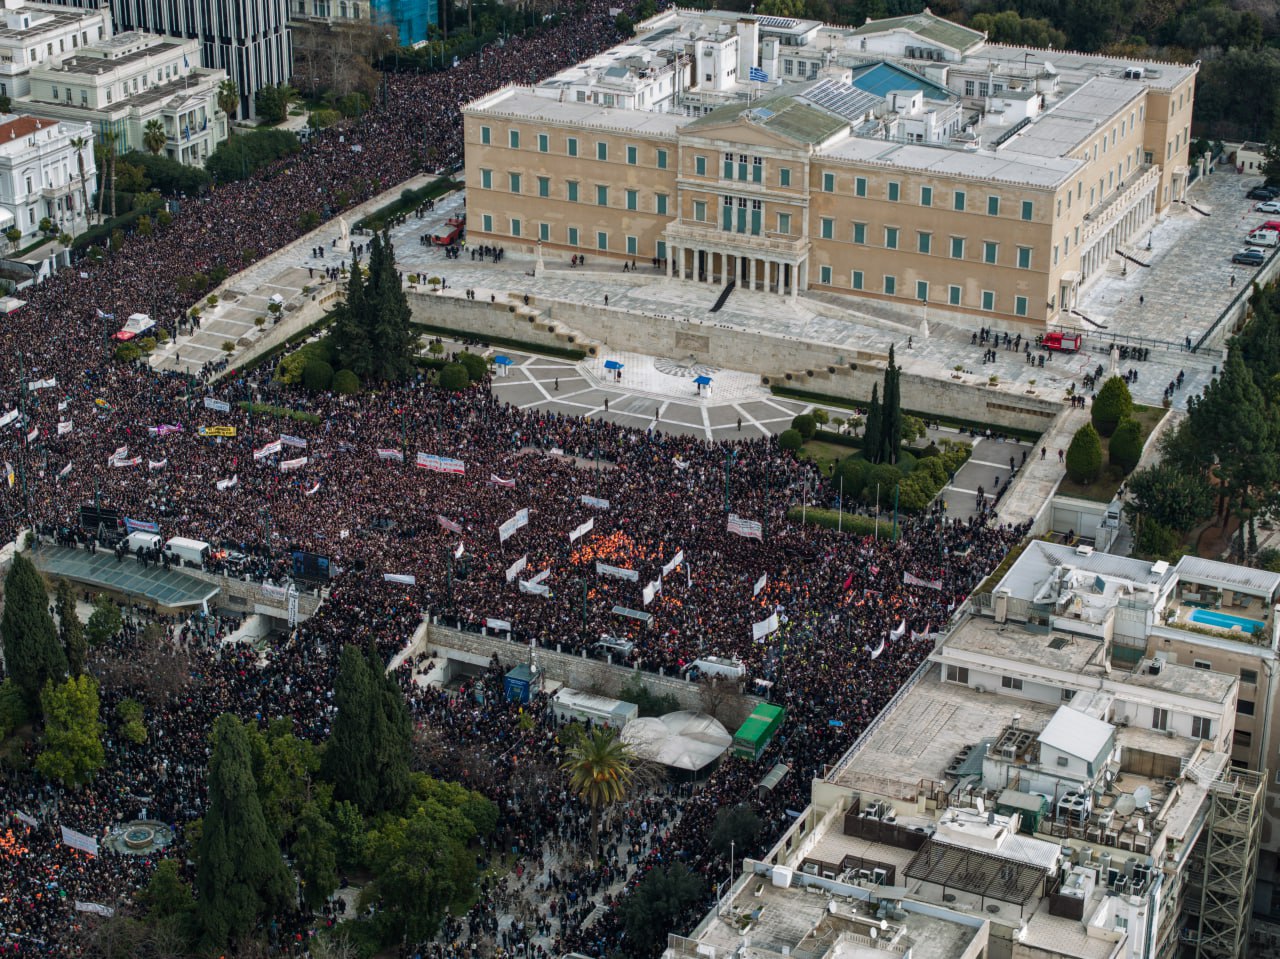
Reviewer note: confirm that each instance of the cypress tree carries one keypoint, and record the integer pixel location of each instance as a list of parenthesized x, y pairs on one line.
[(352, 346), (32, 653), (392, 736), (392, 332), (891, 431), (73, 641), (871, 434), (240, 877), (348, 757)]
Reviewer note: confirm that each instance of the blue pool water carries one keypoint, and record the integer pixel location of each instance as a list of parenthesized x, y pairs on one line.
[(1211, 617)]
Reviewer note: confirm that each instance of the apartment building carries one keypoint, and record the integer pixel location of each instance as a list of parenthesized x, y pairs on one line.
[(905, 161), (120, 84), (40, 170)]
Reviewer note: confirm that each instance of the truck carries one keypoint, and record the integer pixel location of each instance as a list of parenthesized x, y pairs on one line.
[(755, 734), (1061, 342), (451, 232), (187, 552)]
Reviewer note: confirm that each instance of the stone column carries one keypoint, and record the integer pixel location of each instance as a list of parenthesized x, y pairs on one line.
[(671, 256)]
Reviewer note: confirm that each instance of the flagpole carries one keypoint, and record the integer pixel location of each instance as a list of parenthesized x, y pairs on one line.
[(877, 512), (840, 507)]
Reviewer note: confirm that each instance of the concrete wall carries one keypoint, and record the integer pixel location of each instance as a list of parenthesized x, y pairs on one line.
[(245, 597), (779, 360)]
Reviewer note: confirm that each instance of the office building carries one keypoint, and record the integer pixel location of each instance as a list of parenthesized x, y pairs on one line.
[(410, 20), (906, 161)]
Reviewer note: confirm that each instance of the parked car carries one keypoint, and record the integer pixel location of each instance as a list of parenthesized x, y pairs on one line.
[(1263, 238), (1268, 206), (1263, 193), (1251, 256)]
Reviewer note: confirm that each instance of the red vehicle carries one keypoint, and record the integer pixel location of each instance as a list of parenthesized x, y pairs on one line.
[(1062, 342), (451, 232)]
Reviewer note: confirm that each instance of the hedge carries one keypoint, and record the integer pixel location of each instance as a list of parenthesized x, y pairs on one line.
[(292, 340), (100, 235), (830, 519), (408, 201), (559, 352), (838, 439), (280, 412)]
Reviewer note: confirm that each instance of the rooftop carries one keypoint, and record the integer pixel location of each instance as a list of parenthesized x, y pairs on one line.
[(1040, 559), (1071, 731), (982, 635), (161, 586), (927, 26), (1194, 569)]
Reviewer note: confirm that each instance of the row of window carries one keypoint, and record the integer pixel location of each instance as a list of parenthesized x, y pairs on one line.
[(893, 193), (574, 236), (924, 243), (543, 140), (955, 294)]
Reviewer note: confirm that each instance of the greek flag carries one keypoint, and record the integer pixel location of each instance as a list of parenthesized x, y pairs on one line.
[(756, 75)]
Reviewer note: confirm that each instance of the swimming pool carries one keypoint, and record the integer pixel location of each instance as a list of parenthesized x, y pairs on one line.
[(1211, 617)]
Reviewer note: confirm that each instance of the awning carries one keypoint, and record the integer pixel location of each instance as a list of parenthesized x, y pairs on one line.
[(774, 776), (502, 360), (613, 365), (102, 569)]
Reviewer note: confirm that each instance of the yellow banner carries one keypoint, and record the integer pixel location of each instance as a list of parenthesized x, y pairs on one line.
[(217, 431)]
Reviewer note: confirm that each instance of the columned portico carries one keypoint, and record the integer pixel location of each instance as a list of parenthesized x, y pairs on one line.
[(772, 264)]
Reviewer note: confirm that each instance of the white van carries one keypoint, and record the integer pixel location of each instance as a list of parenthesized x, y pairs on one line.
[(187, 552), (1264, 238), (148, 541)]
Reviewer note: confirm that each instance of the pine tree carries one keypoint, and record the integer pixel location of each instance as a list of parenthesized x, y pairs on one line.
[(392, 331), (392, 739), (32, 654), (72, 630), (240, 877), (352, 347), (872, 430)]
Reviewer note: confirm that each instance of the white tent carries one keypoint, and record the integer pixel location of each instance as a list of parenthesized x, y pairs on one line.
[(680, 740)]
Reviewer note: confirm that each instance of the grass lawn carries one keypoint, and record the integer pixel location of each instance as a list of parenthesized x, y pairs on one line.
[(825, 454), (1103, 489)]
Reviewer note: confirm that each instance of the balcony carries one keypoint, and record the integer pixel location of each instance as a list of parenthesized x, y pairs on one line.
[(700, 235)]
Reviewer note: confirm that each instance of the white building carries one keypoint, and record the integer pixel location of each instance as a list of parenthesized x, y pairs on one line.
[(122, 83), (36, 34), (40, 173)]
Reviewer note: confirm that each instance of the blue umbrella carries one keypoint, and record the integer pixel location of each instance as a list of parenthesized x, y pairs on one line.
[(502, 360), (612, 365), (702, 380)]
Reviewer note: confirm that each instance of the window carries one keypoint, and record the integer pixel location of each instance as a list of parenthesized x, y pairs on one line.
[(633, 199), (602, 195), (859, 233), (957, 674), (486, 179), (1244, 707), (1010, 682), (1024, 258), (515, 227), (544, 186), (827, 227), (602, 240), (633, 155), (513, 139), (700, 211), (922, 291), (571, 191), (860, 186), (1202, 664), (700, 166), (926, 196), (989, 251), (573, 236), (953, 295), (957, 200), (1028, 208), (784, 177), (890, 285), (662, 159), (1068, 695), (824, 275), (1242, 738), (894, 190), (1201, 727), (1159, 718), (544, 232), (544, 143), (784, 223), (856, 281), (1249, 676), (828, 183), (1020, 305), (1063, 761), (890, 237), (660, 204), (485, 135), (957, 248), (924, 242), (633, 246), (571, 146), (513, 182), (602, 150)]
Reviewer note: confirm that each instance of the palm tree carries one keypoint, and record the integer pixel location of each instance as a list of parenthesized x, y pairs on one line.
[(81, 144), (108, 163), (229, 102), (601, 771), (153, 136)]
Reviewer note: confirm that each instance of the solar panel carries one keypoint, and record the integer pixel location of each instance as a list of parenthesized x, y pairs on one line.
[(777, 23), (841, 99)]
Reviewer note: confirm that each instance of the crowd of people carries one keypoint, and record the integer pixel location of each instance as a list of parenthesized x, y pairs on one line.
[(80, 428)]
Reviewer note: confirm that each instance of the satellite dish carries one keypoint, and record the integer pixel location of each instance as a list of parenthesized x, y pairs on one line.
[(1125, 805), (1141, 796), (1049, 68)]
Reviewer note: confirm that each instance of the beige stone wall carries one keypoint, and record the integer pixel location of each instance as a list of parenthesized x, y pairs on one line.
[(1168, 132)]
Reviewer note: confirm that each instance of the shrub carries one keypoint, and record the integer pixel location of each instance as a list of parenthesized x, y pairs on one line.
[(132, 727), (955, 454), (1126, 445), (147, 345), (916, 492), (931, 467), (821, 417), (854, 469), (1084, 455), (791, 440), (928, 452), (346, 383), (806, 424), (13, 708), (1112, 404), (832, 519), (228, 346), (127, 352), (1268, 558), (906, 462), (477, 366), (882, 478), (317, 375), (454, 377)]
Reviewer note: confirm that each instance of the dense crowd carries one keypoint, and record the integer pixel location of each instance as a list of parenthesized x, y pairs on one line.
[(649, 495)]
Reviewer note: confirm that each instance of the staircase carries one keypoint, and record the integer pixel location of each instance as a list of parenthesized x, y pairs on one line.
[(724, 295)]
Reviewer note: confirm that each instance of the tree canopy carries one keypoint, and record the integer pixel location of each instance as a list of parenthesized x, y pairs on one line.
[(71, 750), (372, 334), (32, 654)]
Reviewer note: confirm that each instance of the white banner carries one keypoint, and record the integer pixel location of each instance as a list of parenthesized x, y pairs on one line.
[(604, 569), (29, 820), (508, 529), (652, 590), (541, 577), (65, 427), (271, 449), (763, 628), (516, 568), (448, 524), (63, 472), (287, 465), (875, 653), (458, 551), (129, 462), (97, 908), (274, 592), (582, 530), (157, 464), (78, 840), (221, 406), (295, 441), (500, 625), (8, 418), (42, 384), (675, 561), (911, 580), (745, 527), (761, 583), (401, 578), (594, 502), (227, 484), (312, 492), (537, 589), (899, 631)]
